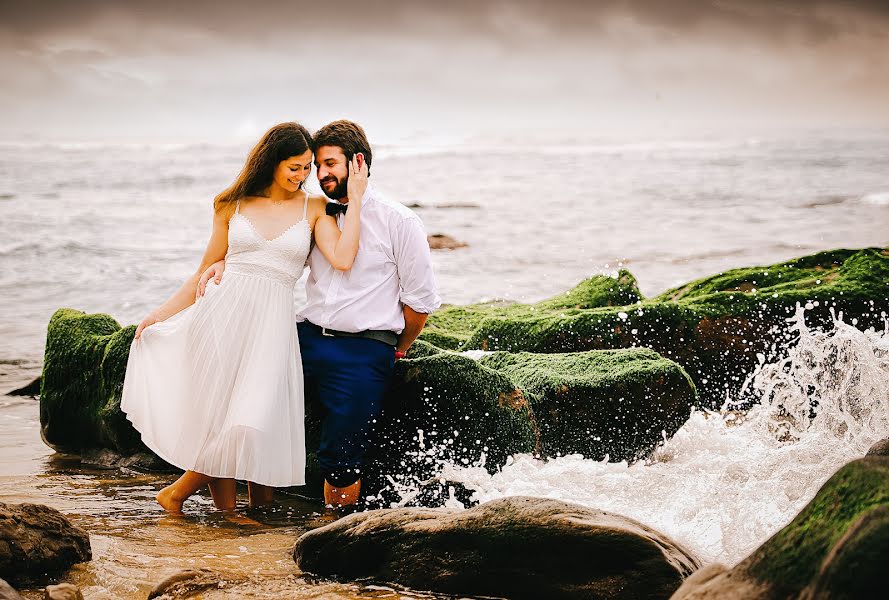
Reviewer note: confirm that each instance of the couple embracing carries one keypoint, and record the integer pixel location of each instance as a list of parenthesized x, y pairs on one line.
[(217, 375)]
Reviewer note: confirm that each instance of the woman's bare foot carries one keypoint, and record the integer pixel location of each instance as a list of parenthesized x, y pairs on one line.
[(168, 501), (232, 516)]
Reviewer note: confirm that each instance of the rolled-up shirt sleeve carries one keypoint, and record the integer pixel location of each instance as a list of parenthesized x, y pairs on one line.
[(413, 259)]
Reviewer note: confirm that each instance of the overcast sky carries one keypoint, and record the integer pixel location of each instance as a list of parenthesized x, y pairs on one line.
[(215, 70)]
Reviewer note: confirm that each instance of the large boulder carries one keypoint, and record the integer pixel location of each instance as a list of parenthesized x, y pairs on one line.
[(617, 403), (713, 327), (836, 547), (517, 547), (37, 539)]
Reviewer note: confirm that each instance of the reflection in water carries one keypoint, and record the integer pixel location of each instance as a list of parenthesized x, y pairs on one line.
[(136, 545)]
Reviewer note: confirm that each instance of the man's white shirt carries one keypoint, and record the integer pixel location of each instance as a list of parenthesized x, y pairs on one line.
[(393, 268)]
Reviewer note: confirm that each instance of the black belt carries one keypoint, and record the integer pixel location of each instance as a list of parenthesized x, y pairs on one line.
[(387, 337)]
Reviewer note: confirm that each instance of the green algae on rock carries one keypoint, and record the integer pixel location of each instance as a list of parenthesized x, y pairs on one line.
[(714, 327), (465, 411), (836, 547), (452, 326), (618, 403), (446, 406), (83, 372)]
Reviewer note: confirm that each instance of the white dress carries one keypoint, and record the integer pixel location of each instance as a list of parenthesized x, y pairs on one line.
[(218, 387)]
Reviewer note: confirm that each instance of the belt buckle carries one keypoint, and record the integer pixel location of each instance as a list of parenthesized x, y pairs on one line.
[(324, 332)]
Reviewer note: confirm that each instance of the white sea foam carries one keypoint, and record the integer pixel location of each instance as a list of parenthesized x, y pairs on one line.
[(877, 198), (727, 481)]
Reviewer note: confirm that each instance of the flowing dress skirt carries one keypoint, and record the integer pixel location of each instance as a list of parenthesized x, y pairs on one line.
[(218, 388)]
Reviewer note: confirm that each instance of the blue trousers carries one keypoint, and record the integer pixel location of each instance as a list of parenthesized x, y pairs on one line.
[(349, 376)]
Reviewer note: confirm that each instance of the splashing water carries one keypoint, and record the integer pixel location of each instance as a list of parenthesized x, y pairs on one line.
[(837, 379), (727, 481)]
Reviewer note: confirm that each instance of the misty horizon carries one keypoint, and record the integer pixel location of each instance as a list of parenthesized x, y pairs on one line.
[(224, 72)]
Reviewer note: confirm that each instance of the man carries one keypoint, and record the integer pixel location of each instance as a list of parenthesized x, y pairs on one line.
[(356, 323)]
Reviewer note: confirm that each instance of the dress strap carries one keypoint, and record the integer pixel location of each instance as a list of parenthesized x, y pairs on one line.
[(306, 206), (238, 206)]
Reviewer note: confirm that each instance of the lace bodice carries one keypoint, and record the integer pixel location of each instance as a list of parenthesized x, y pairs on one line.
[(281, 259)]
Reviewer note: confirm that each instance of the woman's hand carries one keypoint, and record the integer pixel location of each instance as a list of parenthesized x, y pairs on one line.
[(213, 272), (149, 320), (357, 183)]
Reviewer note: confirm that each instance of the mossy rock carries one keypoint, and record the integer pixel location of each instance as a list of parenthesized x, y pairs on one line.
[(793, 557), (83, 372), (452, 326), (714, 327), (469, 413), (436, 391), (617, 403), (836, 547), (445, 406)]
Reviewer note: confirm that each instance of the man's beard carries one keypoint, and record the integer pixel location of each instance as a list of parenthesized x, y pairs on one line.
[(340, 191)]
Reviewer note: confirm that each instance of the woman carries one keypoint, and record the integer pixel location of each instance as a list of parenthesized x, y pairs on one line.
[(215, 386)]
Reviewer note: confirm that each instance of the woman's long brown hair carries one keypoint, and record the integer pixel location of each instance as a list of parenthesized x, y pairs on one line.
[(279, 143)]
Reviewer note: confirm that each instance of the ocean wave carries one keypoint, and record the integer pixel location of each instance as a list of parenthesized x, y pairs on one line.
[(876, 199), (42, 249)]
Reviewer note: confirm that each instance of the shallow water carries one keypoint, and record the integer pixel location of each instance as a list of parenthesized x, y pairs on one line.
[(136, 545)]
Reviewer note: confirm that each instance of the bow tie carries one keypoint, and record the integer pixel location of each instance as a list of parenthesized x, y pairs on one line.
[(335, 208)]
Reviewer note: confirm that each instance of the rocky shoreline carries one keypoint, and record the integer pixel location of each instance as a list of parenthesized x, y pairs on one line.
[(598, 371)]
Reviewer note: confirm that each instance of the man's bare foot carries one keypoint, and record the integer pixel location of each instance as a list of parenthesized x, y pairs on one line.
[(168, 502), (327, 517), (340, 497)]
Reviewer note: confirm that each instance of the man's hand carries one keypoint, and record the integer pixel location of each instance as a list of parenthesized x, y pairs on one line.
[(213, 272), (413, 325)]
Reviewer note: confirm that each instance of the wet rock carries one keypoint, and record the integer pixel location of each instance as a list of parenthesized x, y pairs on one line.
[(62, 591), (516, 547), (442, 406), (7, 592), (856, 565), (37, 539), (881, 448), (32, 389), (835, 548), (188, 583), (615, 403), (84, 366), (440, 241), (713, 327), (109, 459)]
